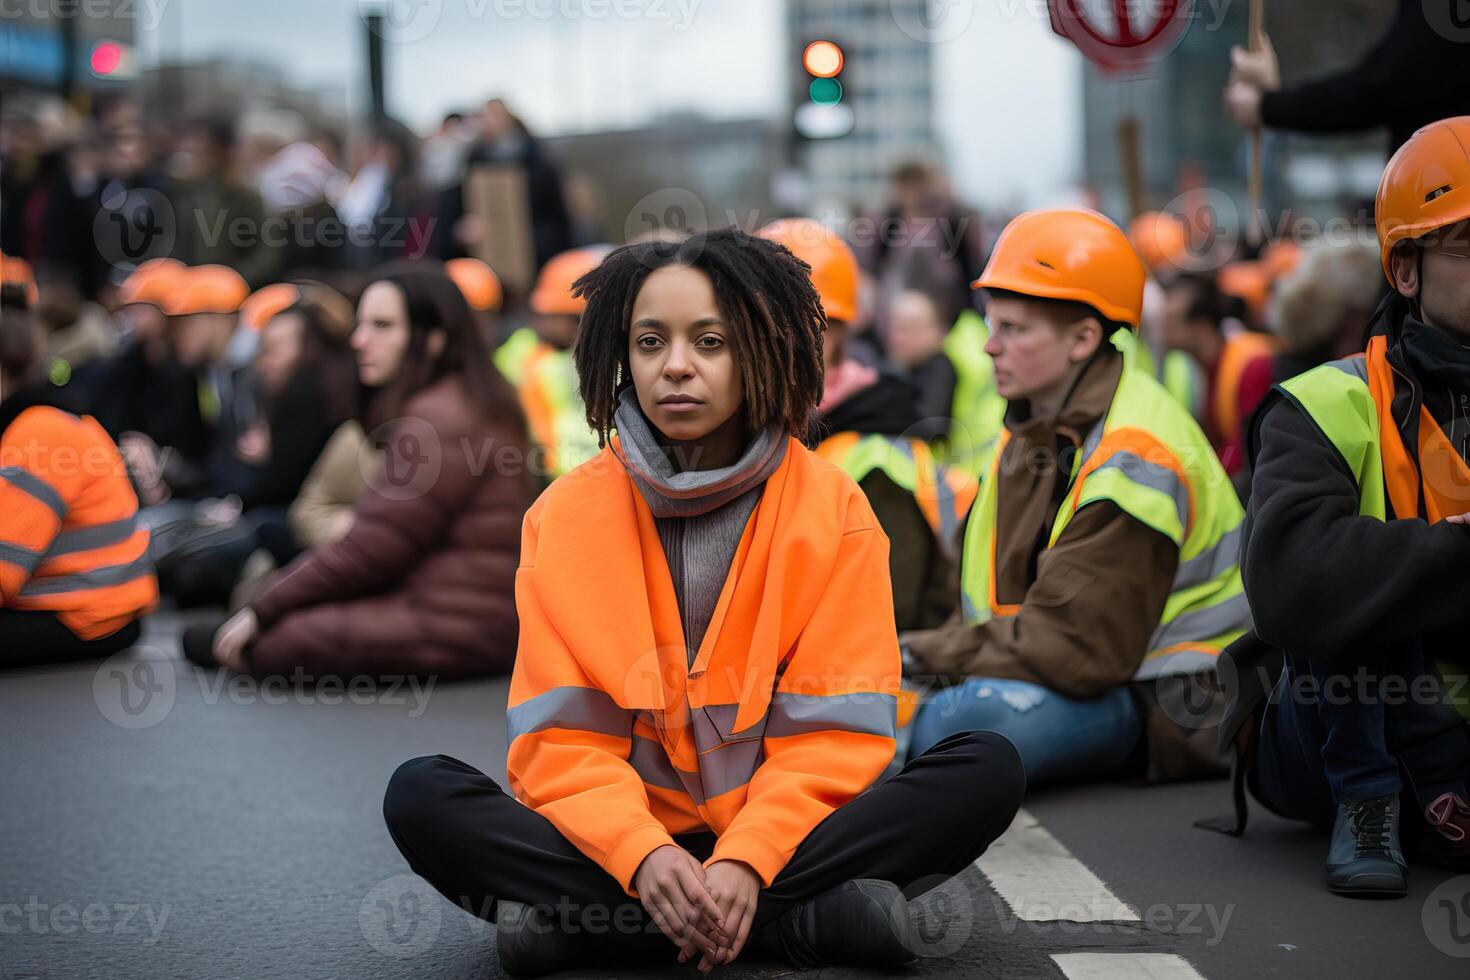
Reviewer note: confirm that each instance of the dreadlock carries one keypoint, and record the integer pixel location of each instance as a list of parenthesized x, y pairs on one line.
[(766, 297)]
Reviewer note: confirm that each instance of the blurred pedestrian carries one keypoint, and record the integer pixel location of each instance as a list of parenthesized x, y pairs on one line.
[(75, 578), (423, 581), (218, 219), (545, 368), (1416, 74), (1237, 363), (1319, 310), (922, 234), (869, 425), (672, 757), (505, 141)]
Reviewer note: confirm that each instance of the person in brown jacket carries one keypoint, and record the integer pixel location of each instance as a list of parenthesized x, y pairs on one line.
[(1099, 576), (424, 581)]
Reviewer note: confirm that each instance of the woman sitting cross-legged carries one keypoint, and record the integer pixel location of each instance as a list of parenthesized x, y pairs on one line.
[(704, 691)]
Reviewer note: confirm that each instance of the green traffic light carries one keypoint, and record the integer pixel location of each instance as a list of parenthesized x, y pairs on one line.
[(825, 91)]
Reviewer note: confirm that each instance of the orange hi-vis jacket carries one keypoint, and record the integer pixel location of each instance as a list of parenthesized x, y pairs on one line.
[(69, 538), (785, 714)]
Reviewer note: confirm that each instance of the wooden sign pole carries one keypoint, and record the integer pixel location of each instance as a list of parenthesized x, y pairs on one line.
[(1257, 41)]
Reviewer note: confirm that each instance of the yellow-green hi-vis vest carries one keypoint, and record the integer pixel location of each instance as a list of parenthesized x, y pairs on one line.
[(1337, 398), (1150, 459), (977, 412)]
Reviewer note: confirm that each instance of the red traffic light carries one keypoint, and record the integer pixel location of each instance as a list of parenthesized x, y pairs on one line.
[(107, 57), (822, 59)]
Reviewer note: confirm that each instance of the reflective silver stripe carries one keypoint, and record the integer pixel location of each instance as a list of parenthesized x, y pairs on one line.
[(968, 608), (1232, 614), (584, 709), (96, 536), (1093, 440), (720, 771), (730, 767), (864, 712), (1357, 367), (96, 578), (1211, 563), (1180, 662), (651, 762), (14, 554), (714, 725), (949, 517), (1152, 475), (36, 487)]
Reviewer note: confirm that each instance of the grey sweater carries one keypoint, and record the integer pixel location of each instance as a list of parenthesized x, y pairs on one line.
[(700, 514)]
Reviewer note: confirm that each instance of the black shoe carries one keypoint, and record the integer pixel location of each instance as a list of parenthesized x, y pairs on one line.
[(198, 643), (859, 923), (1365, 858), (531, 945)]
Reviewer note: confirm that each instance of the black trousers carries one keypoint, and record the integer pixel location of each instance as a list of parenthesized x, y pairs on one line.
[(478, 845), (29, 638)]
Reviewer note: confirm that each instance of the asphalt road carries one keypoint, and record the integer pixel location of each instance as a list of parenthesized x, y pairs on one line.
[(157, 821)]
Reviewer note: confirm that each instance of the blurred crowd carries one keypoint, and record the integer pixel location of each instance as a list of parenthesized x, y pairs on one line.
[(181, 284)]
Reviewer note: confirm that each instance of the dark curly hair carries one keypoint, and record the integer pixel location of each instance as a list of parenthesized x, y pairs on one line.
[(766, 297)]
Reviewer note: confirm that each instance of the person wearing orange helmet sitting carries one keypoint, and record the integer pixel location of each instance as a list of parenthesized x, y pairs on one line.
[(1356, 550), (1098, 573), (541, 365), (868, 423), (75, 576)]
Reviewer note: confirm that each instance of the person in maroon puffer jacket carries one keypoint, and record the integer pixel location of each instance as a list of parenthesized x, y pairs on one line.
[(424, 583)]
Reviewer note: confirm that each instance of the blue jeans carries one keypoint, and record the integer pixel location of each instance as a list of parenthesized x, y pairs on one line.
[(1058, 737), (1310, 758)]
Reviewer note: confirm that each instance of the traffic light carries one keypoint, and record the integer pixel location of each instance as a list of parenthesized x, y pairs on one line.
[(823, 114), (111, 60)]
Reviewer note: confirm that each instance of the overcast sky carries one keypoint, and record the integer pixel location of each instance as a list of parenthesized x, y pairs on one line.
[(1007, 91)]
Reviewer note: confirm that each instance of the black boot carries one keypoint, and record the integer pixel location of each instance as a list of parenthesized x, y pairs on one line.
[(859, 923), (530, 944)]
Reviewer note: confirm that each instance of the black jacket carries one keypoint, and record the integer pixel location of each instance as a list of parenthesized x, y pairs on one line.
[(1321, 578), (1418, 73)]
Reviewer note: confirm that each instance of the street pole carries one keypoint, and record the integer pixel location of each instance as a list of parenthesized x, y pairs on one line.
[(374, 25), (1255, 232)]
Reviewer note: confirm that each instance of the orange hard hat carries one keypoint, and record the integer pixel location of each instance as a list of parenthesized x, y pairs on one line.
[(553, 292), (834, 267), (1069, 254), (478, 282), (1425, 187), (151, 282), (207, 289), (1248, 281), (1160, 239), (18, 272), (266, 302)]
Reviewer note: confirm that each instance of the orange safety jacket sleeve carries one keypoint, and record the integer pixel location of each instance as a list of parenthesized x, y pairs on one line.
[(1085, 621), (31, 513), (569, 741), (830, 729)]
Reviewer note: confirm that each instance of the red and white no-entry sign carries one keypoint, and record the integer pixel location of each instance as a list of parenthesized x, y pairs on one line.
[(1122, 35)]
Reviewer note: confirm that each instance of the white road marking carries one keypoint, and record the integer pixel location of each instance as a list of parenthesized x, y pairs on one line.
[(1042, 882), (1132, 966)]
